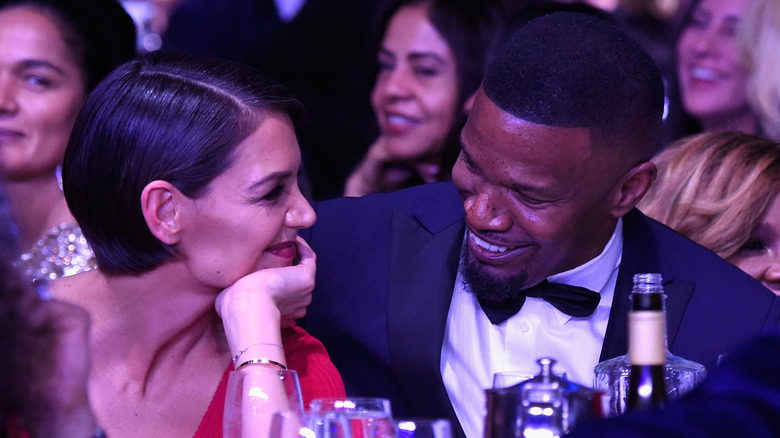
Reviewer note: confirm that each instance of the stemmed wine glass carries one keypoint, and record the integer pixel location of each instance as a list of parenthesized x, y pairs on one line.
[(254, 395)]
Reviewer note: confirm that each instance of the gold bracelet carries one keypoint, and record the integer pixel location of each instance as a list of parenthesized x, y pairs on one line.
[(244, 350), (261, 361)]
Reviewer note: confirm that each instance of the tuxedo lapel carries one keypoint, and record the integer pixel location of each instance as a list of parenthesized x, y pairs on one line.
[(640, 254), (423, 268)]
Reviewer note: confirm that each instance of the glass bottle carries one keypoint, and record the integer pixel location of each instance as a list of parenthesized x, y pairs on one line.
[(646, 344), (614, 375)]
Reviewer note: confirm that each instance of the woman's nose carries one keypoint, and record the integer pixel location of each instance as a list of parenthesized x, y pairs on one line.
[(300, 214), (706, 42), (8, 102), (396, 84), (771, 277)]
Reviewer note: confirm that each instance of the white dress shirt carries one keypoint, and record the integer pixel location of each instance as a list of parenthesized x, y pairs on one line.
[(474, 349)]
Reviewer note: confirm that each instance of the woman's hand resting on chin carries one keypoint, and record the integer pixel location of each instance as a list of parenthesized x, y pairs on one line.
[(257, 306)]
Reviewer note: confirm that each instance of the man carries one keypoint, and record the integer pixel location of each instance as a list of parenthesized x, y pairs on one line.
[(423, 294)]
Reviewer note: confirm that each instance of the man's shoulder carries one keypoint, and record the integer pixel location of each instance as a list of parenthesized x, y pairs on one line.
[(684, 257), (712, 306)]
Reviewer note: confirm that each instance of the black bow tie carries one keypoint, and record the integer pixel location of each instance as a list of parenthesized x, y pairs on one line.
[(571, 300)]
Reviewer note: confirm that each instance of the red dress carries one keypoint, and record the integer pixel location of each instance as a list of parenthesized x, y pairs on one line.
[(317, 375)]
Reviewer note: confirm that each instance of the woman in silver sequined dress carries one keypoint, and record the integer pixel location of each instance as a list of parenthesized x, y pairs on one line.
[(52, 53)]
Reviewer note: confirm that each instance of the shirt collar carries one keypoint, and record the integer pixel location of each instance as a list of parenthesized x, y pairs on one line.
[(595, 274)]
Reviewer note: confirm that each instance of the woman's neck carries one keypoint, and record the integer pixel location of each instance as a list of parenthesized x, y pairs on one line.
[(37, 206), (147, 323), (743, 121), (157, 346)]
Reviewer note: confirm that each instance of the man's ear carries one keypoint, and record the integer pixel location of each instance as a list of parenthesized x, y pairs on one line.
[(633, 186), (160, 204)]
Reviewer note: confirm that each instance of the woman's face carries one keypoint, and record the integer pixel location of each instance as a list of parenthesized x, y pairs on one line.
[(415, 97), (249, 217), (760, 256), (712, 78), (41, 91)]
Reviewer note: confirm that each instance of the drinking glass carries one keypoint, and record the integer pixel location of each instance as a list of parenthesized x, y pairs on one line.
[(286, 424), (254, 395), (351, 418), (423, 428)]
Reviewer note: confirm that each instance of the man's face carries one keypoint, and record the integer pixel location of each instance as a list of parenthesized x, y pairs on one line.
[(537, 199)]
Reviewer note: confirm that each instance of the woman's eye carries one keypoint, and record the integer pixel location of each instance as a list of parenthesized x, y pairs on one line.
[(385, 62), (426, 71), (730, 30), (697, 22), (753, 245), (38, 81), (274, 194), (271, 196)]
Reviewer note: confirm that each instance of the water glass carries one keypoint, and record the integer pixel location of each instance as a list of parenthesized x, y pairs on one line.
[(351, 418), (254, 395)]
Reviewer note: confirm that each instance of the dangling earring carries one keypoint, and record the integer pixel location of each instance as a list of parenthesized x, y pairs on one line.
[(58, 175)]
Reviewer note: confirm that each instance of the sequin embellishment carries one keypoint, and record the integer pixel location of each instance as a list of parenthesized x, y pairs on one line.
[(61, 252)]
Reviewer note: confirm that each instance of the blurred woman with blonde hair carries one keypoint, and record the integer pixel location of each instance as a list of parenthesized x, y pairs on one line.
[(720, 189), (759, 41)]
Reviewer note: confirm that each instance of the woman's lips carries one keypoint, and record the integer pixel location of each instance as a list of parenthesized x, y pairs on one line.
[(7, 134), (399, 124), (286, 250), (704, 77)]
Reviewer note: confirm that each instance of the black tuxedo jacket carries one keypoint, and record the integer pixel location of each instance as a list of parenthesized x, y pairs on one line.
[(386, 271)]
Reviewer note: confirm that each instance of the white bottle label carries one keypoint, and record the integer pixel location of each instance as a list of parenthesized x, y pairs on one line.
[(647, 337)]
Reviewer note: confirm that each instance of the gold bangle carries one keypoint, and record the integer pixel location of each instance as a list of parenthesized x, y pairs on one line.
[(261, 361), (244, 350)]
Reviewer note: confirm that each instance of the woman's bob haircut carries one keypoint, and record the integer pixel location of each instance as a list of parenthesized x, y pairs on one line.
[(170, 117)]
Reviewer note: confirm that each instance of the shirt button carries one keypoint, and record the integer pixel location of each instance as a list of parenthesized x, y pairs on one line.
[(524, 327)]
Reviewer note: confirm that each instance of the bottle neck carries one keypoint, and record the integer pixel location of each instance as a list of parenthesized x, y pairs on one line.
[(648, 301)]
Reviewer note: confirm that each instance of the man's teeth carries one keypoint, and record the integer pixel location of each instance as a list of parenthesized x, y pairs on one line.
[(488, 246)]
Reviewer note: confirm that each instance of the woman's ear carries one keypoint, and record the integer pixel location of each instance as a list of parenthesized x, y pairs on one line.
[(633, 186), (160, 206)]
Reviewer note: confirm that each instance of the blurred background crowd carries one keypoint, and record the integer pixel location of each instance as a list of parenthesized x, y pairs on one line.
[(381, 118), (386, 87)]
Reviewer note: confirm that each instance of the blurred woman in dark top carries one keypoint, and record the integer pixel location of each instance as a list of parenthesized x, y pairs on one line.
[(430, 60)]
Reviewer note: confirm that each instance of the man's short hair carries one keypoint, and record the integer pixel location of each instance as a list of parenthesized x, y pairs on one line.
[(570, 69)]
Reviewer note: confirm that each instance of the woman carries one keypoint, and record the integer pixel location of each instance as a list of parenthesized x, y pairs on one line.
[(43, 373), (181, 172), (721, 189), (712, 79), (431, 59), (759, 38), (52, 53)]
